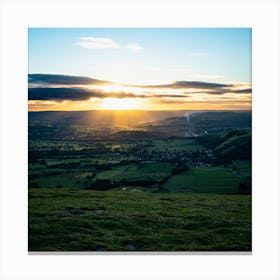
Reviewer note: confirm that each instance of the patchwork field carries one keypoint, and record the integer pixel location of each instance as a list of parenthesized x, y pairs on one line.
[(139, 190)]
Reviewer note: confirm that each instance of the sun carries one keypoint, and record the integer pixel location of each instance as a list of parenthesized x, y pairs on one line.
[(120, 104)]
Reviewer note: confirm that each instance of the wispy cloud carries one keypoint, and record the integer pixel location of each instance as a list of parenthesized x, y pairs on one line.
[(188, 85), (97, 43), (106, 43), (246, 90), (198, 87)]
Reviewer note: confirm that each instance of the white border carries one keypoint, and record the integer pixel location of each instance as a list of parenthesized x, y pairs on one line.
[(262, 16)]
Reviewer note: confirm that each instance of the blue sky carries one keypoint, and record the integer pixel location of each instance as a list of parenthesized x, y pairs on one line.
[(159, 54), (135, 68)]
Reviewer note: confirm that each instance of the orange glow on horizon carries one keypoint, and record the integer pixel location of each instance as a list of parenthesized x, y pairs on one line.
[(130, 104), (121, 104)]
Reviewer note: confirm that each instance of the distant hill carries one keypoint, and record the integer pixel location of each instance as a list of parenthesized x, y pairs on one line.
[(235, 145), (170, 123), (101, 118), (197, 123)]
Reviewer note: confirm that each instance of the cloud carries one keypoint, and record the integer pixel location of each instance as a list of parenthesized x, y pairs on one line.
[(97, 43), (201, 87), (73, 94), (56, 79), (106, 43), (230, 90), (189, 85), (246, 90), (80, 94), (76, 94), (133, 47), (169, 95), (194, 84), (53, 87)]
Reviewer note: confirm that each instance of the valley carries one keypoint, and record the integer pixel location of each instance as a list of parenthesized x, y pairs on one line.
[(181, 164)]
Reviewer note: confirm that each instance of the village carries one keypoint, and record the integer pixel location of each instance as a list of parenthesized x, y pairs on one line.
[(192, 159)]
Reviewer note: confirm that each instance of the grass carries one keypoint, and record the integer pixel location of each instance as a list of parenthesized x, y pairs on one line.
[(79, 220), (236, 139), (205, 180), (66, 180), (243, 167), (155, 171)]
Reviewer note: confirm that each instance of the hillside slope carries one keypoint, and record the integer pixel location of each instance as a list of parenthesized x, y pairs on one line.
[(79, 220)]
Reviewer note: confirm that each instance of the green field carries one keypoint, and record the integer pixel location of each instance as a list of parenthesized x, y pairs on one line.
[(197, 180), (155, 171), (208, 180), (68, 180), (244, 168), (79, 220)]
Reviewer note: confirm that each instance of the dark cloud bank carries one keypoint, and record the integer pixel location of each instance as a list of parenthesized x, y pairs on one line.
[(189, 84), (48, 87), (74, 94), (55, 79)]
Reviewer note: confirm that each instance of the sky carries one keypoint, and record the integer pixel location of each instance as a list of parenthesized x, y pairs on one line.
[(139, 68)]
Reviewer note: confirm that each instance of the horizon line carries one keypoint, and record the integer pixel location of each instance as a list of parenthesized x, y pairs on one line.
[(143, 110)]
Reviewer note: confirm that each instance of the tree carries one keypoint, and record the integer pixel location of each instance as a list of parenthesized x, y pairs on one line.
[(246, 185), (101, 184)]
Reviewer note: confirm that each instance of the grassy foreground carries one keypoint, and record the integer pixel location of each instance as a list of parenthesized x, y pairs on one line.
[(117, 220)]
